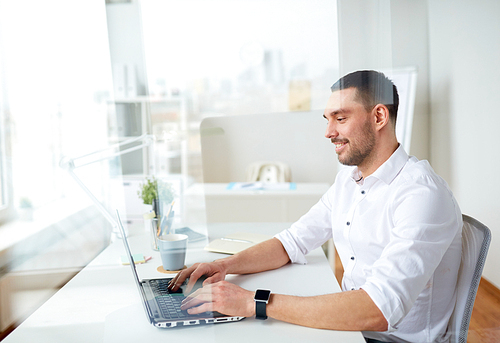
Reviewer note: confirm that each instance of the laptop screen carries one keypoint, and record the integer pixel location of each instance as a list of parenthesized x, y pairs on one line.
[(132, 265)]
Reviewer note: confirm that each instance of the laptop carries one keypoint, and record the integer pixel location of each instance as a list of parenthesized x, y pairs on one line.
[(163, 307)]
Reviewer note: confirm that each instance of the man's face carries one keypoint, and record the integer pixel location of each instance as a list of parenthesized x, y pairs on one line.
[(349, 128)]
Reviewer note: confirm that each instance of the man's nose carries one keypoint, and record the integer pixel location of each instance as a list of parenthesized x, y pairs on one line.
[(331, 131)]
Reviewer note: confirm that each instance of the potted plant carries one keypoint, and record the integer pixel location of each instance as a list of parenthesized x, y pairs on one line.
[(156, 192)]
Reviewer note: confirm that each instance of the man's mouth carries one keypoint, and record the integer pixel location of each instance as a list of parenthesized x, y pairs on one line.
[(339, 145)]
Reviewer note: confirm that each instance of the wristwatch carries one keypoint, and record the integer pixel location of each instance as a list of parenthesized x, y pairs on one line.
[(261, 299)]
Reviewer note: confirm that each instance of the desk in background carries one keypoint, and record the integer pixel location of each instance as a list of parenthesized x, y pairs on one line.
[(231, 205), (217, 204), (101, 304)]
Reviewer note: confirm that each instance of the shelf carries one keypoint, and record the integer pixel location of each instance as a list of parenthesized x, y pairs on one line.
[(130, 117)]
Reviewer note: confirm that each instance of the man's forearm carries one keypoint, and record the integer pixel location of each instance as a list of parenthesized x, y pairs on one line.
[(264, 256), (348, 311), (261, 257), (352, 310)]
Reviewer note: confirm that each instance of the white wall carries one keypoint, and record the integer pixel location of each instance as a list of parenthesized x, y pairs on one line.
[(465, 103), (456, 48), (384, 34)]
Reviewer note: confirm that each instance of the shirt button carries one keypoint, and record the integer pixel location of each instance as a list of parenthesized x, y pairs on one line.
[(348, 223), (363, 192), (352, 258), (352, 289)]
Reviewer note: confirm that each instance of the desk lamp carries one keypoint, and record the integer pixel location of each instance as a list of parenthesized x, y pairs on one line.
[(70, 164)]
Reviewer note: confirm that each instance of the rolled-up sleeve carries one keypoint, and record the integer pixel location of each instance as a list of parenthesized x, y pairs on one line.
[(309, 232)]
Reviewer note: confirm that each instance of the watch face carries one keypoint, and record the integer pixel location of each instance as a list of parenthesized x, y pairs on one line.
[(262, 294)]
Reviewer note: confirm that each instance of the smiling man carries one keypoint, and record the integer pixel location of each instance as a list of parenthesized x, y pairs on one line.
[(394, 222)]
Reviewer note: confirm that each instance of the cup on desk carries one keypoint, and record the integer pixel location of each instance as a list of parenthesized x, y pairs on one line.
[(173, 251)]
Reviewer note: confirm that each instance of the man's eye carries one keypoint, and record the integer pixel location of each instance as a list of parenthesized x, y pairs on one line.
[(341, 119)]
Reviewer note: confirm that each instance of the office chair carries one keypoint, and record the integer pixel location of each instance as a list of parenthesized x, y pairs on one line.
[(476, 239)]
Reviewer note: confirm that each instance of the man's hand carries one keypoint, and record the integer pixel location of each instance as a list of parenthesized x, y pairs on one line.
[(215, 271), (267, 255), (223, 297)]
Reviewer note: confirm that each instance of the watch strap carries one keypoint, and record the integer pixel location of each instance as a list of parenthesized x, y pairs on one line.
[(260, 310)]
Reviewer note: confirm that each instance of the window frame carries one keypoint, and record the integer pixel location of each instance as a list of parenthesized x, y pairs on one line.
[(6, 202)]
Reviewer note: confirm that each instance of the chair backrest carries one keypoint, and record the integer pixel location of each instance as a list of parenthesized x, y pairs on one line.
[(476, 239)]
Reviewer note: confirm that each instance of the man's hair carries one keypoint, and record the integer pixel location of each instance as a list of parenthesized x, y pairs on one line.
[(372, 88)]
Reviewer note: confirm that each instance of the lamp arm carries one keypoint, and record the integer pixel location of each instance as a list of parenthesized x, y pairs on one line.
[(69, 164), (96, 202)]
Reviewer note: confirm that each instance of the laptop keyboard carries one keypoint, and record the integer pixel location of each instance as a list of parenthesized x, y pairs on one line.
[(168, 302)]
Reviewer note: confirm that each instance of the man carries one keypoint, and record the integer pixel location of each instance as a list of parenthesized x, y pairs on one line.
[(395, 224)]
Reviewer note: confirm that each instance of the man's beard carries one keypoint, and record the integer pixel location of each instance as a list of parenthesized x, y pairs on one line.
[(359, 149)]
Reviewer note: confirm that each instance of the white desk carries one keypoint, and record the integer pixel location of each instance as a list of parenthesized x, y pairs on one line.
[(101, 303)]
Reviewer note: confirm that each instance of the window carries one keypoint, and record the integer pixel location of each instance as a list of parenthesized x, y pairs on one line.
[(5, 171), (55, 77), (4, 194), (238, 57), (203, 58)]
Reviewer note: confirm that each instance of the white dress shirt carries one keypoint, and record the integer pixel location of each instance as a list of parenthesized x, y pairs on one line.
[(398, 235)]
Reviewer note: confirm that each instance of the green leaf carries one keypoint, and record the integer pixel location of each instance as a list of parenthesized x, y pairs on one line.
[(156, 189)]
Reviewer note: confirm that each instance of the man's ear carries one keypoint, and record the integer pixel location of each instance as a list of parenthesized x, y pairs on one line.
[(381, 116)]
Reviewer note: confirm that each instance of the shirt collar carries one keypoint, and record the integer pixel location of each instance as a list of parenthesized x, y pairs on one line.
[(389, 169)]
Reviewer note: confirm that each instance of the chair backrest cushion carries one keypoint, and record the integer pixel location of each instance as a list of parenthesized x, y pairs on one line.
[(475, 242)]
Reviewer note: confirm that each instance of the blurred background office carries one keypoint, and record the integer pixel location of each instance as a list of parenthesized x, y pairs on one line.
[(79, 76)]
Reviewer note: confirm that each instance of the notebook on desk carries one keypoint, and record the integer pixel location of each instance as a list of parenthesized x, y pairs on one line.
[(236, 242), (163, 307)]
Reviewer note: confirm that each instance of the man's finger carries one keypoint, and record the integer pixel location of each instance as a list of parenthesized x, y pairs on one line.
[(180, 277), (206, 307), (196, 299), (213, 279), (201, 270), (175, 283)]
